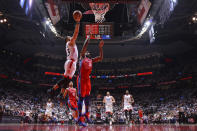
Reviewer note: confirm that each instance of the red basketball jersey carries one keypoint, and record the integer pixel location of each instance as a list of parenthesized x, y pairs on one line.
[(72, 94), (86, 68)]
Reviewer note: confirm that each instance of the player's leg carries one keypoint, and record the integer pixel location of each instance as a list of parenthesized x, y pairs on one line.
[(80, 95), (75, 115), (70, 68), (107, 117), (63, 84), (130, 115), (59, 84), (110, 118), (80, 116), (126, 115), (74, 108), (87, 113), (80, 104)]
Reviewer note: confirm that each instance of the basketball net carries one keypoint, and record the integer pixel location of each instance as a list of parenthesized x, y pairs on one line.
[(99, 10)]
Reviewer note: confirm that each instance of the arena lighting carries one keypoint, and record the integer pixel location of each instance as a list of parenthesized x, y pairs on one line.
[(51, 27), (1, 21), (30, 3), (145, 73), (147, 23), (145, 27), (194, 18), (5, 20), (22, 2), (166, 10), (47, 22)]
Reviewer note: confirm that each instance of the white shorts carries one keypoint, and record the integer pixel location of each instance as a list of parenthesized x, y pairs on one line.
[(70, 68), (109, 109), (128, 107), (48, 113)]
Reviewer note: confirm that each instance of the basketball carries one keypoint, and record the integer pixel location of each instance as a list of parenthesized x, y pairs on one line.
[(77, 15)]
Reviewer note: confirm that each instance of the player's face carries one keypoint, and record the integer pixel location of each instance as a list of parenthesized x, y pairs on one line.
[(68, 38), (108, 94), (49, 100), (87, 54), (71, 84), (127, 92)]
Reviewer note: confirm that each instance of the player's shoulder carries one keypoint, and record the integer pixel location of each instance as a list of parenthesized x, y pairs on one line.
[(71, 43), (67, 89)]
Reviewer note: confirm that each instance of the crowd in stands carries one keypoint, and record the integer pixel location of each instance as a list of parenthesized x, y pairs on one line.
[(160, 103)]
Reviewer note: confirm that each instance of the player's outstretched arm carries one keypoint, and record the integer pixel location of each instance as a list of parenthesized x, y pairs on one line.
[(99, 58), (84, 48), (113, 100), (122, 100), (76, 32), (104, 100), (132, 100)]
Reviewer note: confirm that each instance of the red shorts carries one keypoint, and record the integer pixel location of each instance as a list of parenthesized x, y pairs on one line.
[(72, 105), (84, 87)]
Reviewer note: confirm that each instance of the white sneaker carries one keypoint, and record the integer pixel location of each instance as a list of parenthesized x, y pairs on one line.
[(110, 123), (130, 123), (126, 122)]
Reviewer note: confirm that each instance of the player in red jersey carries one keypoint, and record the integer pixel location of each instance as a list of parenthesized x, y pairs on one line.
[(83, 80), (72, 100)]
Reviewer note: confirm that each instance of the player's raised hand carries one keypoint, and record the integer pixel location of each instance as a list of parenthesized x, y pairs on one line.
[(101, 43), (77, 15)]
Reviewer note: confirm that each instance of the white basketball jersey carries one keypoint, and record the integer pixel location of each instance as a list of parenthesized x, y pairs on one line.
[(27, 113), (108, 100), (127, 99), (49, 105), (72, 52)]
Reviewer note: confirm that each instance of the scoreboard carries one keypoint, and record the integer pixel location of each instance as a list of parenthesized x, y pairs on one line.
[(99, 30)]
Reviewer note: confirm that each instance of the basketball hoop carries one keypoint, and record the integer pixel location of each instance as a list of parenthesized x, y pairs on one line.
[(99, 10)]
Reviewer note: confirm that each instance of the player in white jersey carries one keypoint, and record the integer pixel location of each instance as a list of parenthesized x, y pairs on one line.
[(70, 64), (49, 108), (108, 101), (127, 102)]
